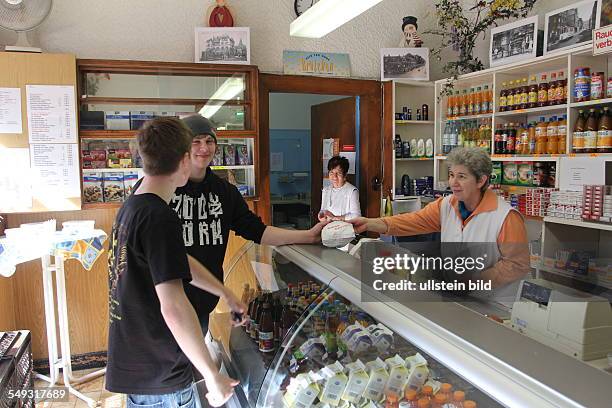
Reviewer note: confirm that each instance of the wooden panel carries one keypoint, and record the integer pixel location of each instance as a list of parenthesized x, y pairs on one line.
[(161, 68), (388, 117), (7, 310), (86, 291)]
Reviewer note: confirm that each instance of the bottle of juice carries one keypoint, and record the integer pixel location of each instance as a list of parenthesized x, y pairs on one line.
[(503, 97), (511, 141), (562, 88), (478, 101), (458, 399), (469, 404), (523, 137), (439, 401), (456, 104), (446, 389), (464, 103), (543, 91), (590, 138), (532, 138), (391, 401), (486, 100), (426, 392), (604, 134), (552, 89), (524, 94), (541, 135), (450, 101), (410, 396), (471, 102), (510, 96), (578, 133), (423, 403), (551, 136), (562, 135), (533, 92), (504, 140), (266, 329)]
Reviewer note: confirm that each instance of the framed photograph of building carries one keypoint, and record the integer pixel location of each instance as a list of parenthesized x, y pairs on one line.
[(404, 63), (571, 26), (514, 42), (222, 45)]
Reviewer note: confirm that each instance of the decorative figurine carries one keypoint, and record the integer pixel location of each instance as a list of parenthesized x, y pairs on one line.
[(220, 15), (411, 38)]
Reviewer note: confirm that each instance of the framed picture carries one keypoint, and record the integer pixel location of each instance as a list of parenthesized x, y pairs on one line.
[(606, 13), (514, 42), (404, 63), (222, 45), (571, 26)]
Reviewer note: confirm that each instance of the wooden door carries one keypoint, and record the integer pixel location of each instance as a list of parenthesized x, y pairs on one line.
[(330, 120)]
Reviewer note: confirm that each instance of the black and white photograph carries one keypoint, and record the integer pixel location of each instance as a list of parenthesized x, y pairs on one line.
[(571, 26), (514, 42), (222, 45), (404, 63)]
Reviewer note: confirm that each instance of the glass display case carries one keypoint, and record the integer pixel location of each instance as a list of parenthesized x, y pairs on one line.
[(324, 342), (117, 97)]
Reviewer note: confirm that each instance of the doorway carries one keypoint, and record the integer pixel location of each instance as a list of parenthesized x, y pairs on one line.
[(367, 135)]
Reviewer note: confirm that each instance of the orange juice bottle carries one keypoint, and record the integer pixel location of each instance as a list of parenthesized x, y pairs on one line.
[(423, 403), (551, 136), (562, 135), (392, 401), (469, 404), (456, 103), (446, 389), (450, 103), (478, 102), (464, 102), (486, 100), (540, 136), (410, 395), (439, 401), (470, 104)]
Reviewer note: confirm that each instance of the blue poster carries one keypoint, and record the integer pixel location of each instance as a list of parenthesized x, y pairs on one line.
[(316, 63)]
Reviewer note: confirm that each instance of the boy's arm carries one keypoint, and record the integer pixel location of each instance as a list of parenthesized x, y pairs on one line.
[(203, 279), (281, 236), (182, 321)]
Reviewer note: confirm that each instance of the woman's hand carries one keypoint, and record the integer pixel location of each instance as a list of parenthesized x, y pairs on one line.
[(362, 224), (326, 216)]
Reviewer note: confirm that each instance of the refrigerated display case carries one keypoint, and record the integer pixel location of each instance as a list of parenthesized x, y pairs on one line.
[(425, 344)]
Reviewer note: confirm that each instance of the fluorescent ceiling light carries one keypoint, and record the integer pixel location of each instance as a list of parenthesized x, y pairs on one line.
[(227, 91), (327, 15)]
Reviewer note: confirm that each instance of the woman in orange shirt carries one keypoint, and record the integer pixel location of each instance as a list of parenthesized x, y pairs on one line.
[(473, 213)]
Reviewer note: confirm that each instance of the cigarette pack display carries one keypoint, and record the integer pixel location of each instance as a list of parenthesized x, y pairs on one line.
[(138, 118), (229, 155), (129, 181), (113, 187), (92, 187), (218, 157), (243, 155), (119, 158), (94, 159), (118, 120)]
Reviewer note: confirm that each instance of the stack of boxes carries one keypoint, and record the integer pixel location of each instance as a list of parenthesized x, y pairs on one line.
[(565, 204), (597, 203), (537, 201), (120, 120)]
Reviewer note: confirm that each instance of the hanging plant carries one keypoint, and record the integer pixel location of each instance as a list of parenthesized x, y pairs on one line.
[(460, 30)]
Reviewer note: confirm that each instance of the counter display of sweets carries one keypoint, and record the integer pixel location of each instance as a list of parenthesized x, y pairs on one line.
[(347, 359)]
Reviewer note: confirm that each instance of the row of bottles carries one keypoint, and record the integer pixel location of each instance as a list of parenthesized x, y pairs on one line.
[(471, 133), (478, 100), (523, 94), (592, 132), (541, 137)]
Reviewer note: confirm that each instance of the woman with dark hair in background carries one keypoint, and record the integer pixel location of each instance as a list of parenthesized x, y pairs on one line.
[(339, 200)]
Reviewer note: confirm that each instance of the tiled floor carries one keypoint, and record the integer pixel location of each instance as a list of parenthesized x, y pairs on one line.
[(93, 389)]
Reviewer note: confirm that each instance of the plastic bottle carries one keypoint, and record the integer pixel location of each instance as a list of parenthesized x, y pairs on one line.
[(511, 139), (503, 97), (478, 101), (464, 103), (510, 96), (590, 138), (450, 103), (540, 136), (439, 401), (446, 389), (524, 140), (426, 392), (552, 89), (266, 329), (469, 404), (543, 91), (504, 139), (470, 104), (456, 104), (487, 106), (578, 133), (561, 95), (410, 396), (562, 135), (533, 92), (551, 136), (391, 401), (532, 138), (604, 134), (524, 94), (423, 403)]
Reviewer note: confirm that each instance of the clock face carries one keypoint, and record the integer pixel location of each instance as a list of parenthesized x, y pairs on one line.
[(301, 6)]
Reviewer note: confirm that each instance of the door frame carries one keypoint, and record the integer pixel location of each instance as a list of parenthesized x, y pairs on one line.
[(370, 129)]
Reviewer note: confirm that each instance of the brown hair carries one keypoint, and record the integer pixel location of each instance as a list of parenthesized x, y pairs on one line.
[(162, 144)]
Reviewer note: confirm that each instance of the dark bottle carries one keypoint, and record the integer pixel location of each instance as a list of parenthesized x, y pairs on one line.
[(604, 134), (504, 139), (533, 92), (497, 139), (425, 111), (277, 309), (405, 113), (511, 141), (254, 327), (286, 321), (266, 329), (398, 146), (543, 91), (590, 138), (409, 114), (418, 117)]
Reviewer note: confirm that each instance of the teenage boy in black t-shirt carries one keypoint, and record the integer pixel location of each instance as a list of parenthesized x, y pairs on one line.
[(209, 207), (154, 333)]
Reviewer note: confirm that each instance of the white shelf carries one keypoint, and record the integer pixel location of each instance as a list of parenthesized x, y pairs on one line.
[(534, 158), (414, 122), (412, 82), (543, 110), (248, 166), (470, 117), (591, 103), (563, 272), (414, 159), (440, 157), (579, 223), (121, 169)]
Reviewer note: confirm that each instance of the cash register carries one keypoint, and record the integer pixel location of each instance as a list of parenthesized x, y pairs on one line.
[(576, 323)]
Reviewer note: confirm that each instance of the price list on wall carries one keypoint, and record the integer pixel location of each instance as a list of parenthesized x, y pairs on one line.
[(56, 169)]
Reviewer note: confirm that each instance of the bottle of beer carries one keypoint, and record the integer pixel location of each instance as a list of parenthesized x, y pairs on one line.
[(266, 329)]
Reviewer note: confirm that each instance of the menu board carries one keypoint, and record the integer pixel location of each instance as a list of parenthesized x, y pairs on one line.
[(51, 114), (55, 170)]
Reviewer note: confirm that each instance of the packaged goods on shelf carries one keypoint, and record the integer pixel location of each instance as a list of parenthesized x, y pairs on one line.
[(528, 92), (119, 158), (113, 187), (92, 187), (538, 200), (422, 113), (91, 120), (129, 181), (138, 118), (466, 133), (597, 203), (229, 155), (218, 157), (166, 114), (117, 120), (243, 155), (94, 159), (565, 204), (472, 101)]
